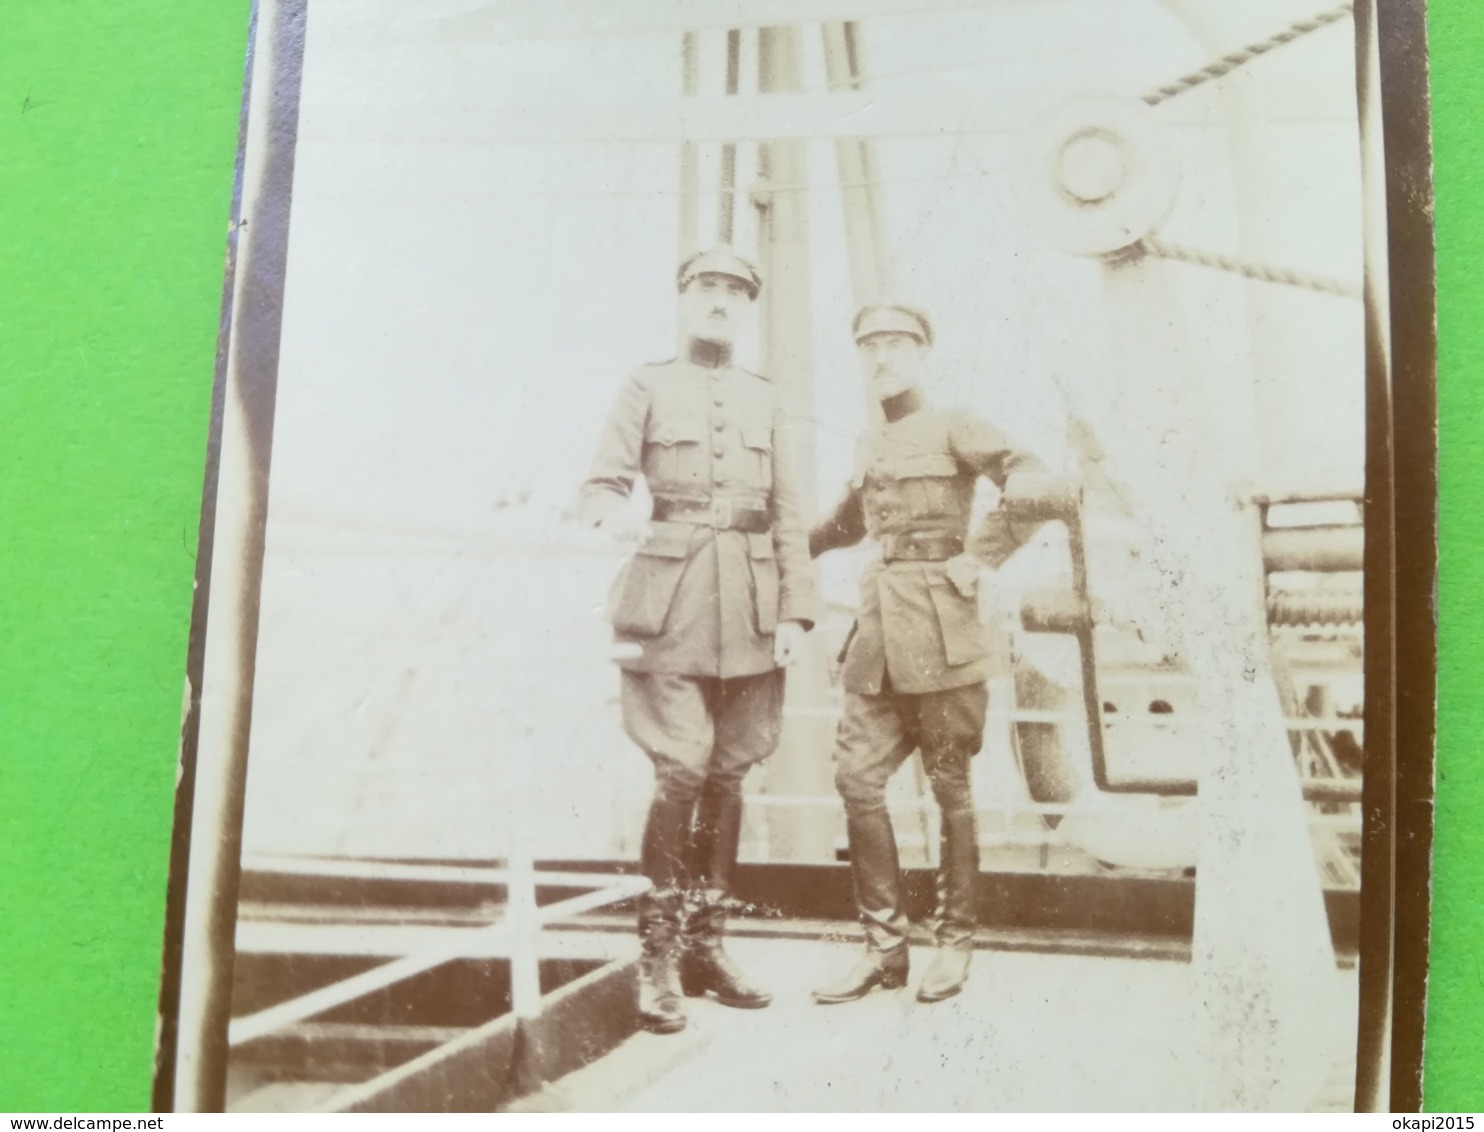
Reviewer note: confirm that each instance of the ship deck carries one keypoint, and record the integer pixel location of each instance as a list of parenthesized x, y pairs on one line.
[(1032, 1032)]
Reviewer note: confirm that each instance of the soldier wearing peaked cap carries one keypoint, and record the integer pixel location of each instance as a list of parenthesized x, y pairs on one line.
[(916, 665), (716, 598), (723, 263)]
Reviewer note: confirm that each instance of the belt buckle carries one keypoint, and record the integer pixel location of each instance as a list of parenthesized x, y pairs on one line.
[(721, 514)]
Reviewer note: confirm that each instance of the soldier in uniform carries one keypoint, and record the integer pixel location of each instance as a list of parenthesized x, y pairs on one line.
[(717, 598), (917, 660)]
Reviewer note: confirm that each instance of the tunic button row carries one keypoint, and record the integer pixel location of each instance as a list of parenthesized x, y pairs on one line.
[(718, 452), (719, 425)]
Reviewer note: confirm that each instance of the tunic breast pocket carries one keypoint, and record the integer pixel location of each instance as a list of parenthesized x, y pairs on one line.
[(965, 638), (757, 439), (675, 457), (927, 483), (928, 497)]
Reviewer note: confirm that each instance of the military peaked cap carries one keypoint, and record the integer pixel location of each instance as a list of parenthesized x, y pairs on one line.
[(892, 318), (720, 261)]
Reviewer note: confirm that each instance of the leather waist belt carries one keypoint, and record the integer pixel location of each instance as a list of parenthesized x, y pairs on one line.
[(920, 546), (719, 514)]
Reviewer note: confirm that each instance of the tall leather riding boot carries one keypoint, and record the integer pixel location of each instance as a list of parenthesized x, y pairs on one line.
[(958, 877), (878, 896), (662, 853), (660, 913), (704, 964)]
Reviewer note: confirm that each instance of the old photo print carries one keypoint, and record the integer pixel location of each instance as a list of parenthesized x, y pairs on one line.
[(836, 556)]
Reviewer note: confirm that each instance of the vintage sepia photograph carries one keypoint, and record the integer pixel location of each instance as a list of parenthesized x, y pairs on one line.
[(795, 557)]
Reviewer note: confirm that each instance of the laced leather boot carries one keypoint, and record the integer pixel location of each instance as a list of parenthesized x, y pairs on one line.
[(874, 865), (659, 1005), (958, 873), (705, 965), (660, 911)]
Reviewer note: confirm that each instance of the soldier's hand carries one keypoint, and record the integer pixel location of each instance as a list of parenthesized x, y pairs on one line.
[(963, 572), (788, 643)]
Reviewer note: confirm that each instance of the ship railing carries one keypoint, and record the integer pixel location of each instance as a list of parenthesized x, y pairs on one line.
[(517, 932)]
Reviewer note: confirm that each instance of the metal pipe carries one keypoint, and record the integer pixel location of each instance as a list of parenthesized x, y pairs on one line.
[(690, 160), (1330, 788), (1314, 549), (398, 870), (726, 219), (521, 913), (1092, 702), (855, 159)]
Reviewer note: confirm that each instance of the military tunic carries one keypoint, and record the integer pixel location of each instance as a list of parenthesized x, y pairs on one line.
[(702, 601), (916, 631)]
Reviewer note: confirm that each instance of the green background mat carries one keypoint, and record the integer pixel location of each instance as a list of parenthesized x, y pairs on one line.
[(118, 129)]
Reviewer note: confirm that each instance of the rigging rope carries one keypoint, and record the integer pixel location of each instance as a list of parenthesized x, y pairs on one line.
[(1286, 276), (1231, 61)]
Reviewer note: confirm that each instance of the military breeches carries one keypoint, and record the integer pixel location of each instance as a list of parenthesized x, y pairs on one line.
[(700, 730), (878, 733)]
